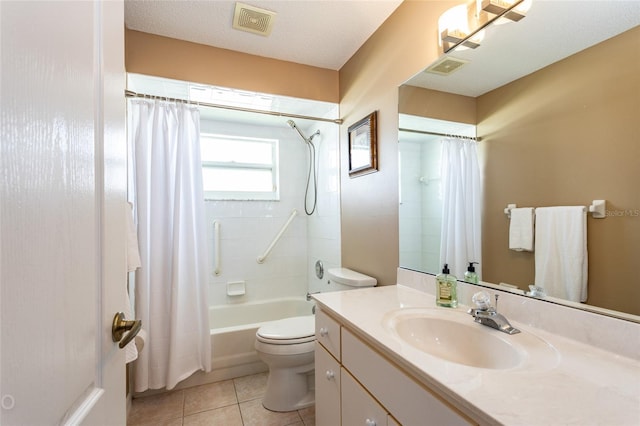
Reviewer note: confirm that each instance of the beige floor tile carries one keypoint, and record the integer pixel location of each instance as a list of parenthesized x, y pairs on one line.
[(251, 387), (308, 415), (209, 397), (156, 409), (225, 416), (172, 422), (254, 414)]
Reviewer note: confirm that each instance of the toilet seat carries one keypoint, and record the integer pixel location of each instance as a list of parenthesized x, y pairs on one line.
[(288, 331)]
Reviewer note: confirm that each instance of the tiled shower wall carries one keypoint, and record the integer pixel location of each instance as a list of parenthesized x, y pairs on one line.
[(248, 227), (420, 210)]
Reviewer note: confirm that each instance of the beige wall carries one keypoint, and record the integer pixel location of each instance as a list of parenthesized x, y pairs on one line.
[(405, 44), (369, 81), (439, 105), (566, 135), (181, 60)]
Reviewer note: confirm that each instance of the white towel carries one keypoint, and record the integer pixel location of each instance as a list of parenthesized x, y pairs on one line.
[(561, 252), (133, 263), (133, 253), (521, 229), (131, 350)]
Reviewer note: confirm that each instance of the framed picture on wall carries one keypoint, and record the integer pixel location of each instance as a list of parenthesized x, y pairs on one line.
[(363, 146)]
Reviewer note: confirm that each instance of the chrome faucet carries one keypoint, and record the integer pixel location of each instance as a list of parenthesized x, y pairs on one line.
[(486, 314)]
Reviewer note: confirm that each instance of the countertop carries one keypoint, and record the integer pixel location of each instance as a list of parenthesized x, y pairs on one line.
[(585, 385)]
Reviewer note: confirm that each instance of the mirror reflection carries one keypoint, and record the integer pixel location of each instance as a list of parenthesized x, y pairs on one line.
[(554, 100)]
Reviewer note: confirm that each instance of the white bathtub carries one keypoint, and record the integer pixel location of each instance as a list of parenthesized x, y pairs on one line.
[(233, 333), (229, 318)]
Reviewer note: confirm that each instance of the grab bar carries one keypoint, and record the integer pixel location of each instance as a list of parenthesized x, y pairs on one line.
[(264, 255), (216, 246)]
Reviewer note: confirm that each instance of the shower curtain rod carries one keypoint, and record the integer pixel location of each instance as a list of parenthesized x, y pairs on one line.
[(131, 94), (448, 135)]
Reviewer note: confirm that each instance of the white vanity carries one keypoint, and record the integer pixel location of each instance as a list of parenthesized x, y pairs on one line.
[(376, 366)]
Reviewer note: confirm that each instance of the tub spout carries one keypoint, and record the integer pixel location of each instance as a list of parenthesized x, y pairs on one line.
[(309, 295)]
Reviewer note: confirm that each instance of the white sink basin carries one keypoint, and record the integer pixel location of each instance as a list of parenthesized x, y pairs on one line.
[(453, 336)]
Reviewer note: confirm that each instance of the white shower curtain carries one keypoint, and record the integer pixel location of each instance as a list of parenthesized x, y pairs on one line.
[(460, 242), (171, 284)]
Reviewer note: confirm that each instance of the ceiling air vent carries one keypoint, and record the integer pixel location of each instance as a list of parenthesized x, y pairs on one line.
[(253, 19), (446, 66)]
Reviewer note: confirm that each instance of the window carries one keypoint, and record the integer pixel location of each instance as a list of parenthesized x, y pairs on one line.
[(239, 168)]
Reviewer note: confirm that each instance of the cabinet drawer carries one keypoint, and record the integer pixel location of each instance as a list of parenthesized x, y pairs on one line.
[(327, 388), (358, 407), (410, 403), (328, 333)]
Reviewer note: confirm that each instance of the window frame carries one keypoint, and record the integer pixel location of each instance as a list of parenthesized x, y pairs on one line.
[(274, 167)]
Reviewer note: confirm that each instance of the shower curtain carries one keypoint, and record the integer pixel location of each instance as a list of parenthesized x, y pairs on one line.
[(460, 241), (171, 284)]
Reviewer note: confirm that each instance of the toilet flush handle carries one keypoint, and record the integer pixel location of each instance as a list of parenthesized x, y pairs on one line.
[(324, 331), (370, 422), (330, 375)]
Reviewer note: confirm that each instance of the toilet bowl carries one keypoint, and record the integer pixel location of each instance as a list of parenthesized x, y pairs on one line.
[(287, 347)]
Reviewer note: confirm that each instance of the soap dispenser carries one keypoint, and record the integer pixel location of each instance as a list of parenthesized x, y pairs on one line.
[(470, 276), (446, 291)]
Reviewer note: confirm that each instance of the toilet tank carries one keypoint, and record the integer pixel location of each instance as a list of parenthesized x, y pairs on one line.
[(346, 279)]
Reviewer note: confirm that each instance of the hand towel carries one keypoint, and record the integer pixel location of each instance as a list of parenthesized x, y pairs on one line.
[(131, 350), (521, 229), (133, 254), (561, 252)]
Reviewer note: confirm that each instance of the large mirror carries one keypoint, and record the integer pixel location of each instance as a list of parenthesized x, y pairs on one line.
[(554, 100)]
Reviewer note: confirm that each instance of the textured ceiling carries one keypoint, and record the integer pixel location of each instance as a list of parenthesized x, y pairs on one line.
[(324, 33)]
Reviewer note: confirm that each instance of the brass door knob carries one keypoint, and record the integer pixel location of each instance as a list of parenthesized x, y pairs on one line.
[(120, 326)]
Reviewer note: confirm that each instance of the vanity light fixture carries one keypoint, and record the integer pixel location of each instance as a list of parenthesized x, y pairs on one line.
[(497, 7), (456, 36), (454, 27)]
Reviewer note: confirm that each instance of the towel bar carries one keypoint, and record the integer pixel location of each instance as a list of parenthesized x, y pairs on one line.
[(597, 209)]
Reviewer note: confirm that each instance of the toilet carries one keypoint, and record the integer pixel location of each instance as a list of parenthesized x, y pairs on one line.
[(287, 347)]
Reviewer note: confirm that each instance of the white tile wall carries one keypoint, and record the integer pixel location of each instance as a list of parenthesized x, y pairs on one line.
[(248, 227), (410, 209), (421, 205), (431, 206), (323, 227)]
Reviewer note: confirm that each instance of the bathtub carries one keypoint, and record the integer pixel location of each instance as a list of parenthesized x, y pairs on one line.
[(233, 332)]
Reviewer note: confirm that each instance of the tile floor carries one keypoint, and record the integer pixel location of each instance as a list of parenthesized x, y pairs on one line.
[(236, 402)]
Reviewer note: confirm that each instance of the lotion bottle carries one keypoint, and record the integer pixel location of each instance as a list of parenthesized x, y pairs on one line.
[(470, 276), (446, 290)]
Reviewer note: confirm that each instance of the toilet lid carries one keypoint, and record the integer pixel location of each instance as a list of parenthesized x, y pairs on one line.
[(294, 328)]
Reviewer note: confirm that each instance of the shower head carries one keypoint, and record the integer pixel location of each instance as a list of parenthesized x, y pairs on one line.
[(292, 124)]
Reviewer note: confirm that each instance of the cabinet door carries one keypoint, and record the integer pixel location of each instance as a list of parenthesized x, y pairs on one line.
[(327, 388), (328, 333), (402, 396), (358, 407)]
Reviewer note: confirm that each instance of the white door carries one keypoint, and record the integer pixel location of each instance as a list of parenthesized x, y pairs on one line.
[(63, 186)]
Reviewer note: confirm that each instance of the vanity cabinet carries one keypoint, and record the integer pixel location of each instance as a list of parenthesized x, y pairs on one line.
[(359, 407), (328, 333), (356, 385), (328, 384)]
